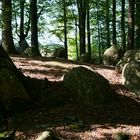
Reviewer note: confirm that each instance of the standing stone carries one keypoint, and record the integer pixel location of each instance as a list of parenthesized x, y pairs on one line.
[(87, 87)]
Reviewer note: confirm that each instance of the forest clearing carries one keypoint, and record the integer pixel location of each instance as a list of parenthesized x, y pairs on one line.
[(66, 67), (98, 123)]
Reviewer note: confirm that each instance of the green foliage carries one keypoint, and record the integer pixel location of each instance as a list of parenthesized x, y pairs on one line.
[(51, 22), (16, 15), (72, 49), (51, 46)]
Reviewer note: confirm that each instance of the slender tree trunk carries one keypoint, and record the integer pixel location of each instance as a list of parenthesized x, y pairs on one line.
[(107, 24), (137, 39), (99, 46), (82, 22), (76, 31), (34, 28), (21, 36), (65, 29), (7, 37), (88, 31), (123, 39), (99, 35), (114, 42), (130, 44), (76, 39)]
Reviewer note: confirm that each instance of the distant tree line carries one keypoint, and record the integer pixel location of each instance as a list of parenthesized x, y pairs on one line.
[(87, 25)]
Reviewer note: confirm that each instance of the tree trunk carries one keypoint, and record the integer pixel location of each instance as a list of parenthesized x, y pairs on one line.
[(76, 31), (107, 25), (21, 36), (7, 37), (123, 39), (82, 21), (130, 44), (137, 39), (65, 28), (76, 39), (114, 42), (88, 31), (99, 34), (34, 28)]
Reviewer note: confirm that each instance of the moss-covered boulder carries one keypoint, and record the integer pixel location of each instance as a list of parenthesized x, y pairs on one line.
[(112, 55), (131, 77), (129, 56), (12, 93), (87, 87)]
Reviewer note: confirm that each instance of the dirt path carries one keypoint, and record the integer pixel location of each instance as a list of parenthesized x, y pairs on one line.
[(99, 123)]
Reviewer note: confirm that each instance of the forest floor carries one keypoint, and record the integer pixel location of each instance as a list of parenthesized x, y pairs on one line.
[(70, 122)]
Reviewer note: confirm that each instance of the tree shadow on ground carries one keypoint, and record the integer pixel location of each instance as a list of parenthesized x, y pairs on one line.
[(52, 105)]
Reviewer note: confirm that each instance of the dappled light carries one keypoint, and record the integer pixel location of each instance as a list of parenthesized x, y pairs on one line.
[(51, 68), (40, 69), (67, 120)]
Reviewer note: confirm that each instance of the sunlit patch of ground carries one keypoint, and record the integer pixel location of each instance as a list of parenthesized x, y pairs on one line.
[(54, 69), (104, 132)]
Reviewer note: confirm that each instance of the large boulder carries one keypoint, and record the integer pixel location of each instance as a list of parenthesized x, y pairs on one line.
[(129, 56), (112, 55), (87, 87), (12, 93), (131, 77), (6, 62), (28, 52)]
